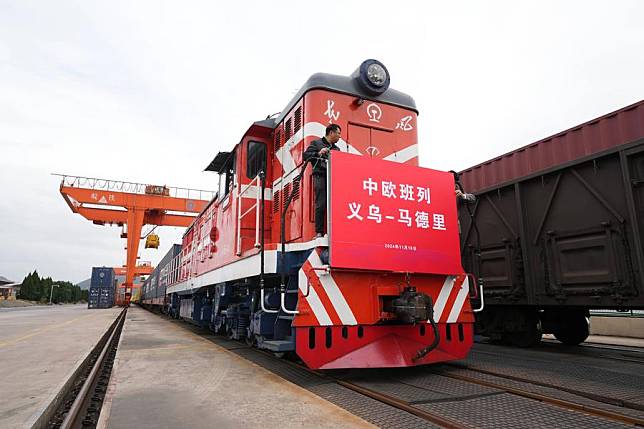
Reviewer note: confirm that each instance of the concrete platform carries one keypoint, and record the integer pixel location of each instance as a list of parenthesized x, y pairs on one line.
[(616, 326), (607, 340), (615, 341), (40, 347), (167, 376)]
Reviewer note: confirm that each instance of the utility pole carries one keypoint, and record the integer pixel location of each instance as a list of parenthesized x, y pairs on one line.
[(51, 292)]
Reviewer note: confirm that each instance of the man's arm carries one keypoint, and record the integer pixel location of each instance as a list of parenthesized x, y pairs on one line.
[(464, 196), (470, 198), (311, 151)]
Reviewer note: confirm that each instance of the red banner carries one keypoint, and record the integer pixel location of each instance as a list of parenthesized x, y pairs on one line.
[(393, 217)]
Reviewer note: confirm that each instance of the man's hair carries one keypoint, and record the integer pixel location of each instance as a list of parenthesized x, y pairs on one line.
[(332, 127)]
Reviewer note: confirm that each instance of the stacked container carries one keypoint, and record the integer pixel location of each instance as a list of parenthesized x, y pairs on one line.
[(102, 288)]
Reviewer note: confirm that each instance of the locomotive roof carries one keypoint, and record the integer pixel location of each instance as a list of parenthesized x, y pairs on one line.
[(331, 82), (219, 163), (347, 85)]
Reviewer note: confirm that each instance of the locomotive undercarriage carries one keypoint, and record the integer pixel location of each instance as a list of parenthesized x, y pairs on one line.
[(233, 309), (524, 326)]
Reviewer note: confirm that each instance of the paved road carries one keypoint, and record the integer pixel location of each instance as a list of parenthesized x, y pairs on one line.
[(39, 347)]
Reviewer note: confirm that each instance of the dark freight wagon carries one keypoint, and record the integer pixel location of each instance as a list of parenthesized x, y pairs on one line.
[(558, 229), (153, 291)]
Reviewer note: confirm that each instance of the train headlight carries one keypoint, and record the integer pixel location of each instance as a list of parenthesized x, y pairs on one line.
[(376, 74), (372, 76)]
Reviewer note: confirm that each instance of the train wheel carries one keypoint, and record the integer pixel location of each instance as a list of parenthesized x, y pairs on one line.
[(230, 333), (530, 337), (572, 331), (250, 340)]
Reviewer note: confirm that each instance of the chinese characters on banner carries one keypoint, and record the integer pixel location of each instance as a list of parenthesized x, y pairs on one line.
[(406, 192), (392, 216)]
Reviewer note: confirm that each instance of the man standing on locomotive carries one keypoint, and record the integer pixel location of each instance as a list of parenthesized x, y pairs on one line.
[(319, 150)]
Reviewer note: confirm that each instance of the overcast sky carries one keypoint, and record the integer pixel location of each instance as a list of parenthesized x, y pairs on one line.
[(150, 91)]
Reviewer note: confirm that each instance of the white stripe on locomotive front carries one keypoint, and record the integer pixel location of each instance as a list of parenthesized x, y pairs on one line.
[(443, 296), (403, 155), (313, 299), (283, 154), (333, 292), (458, 304)]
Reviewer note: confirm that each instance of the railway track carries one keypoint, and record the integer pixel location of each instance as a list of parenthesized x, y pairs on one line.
[(558, 402), (421, 412), (81, 400), (442, 421)]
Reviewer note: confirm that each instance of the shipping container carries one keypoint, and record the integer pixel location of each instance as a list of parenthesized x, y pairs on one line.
[(106, 298), (552, 244), (604, 133), (100, 297), (93, 295), (135, 293), (102, 277), (120, 296)]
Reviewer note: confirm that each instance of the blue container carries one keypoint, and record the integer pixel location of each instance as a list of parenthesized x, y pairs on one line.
[(102, 277), (93, 297), (106, 301)]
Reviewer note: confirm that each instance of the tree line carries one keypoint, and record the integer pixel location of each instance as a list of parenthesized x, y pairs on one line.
[(36, 288)]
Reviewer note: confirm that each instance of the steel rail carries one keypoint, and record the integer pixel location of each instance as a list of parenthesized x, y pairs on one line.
[(595, 397), (378, 396), (450, 424), (71, 419), (401, 405), (562, 403)]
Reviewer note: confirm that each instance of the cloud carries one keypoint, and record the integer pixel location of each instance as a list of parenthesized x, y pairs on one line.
[(151, 91)]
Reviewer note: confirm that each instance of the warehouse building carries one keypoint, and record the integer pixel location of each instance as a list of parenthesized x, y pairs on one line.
[(8, 289)]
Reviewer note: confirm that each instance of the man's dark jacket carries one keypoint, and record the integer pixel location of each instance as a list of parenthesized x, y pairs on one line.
[(319, 166)]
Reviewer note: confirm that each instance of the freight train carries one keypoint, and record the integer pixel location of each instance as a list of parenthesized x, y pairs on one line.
[(558, 230), (384, 287)]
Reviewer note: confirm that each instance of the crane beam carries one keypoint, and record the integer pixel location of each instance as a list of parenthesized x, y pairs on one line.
[(124, 199), (132, 204)]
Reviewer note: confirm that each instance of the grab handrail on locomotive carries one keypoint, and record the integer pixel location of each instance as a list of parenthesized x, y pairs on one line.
[(384, 287)]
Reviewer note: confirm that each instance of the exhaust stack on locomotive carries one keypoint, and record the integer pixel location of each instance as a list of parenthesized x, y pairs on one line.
[(385, 286)]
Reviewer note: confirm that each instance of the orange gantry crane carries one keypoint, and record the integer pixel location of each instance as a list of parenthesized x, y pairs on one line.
[(132, 205)]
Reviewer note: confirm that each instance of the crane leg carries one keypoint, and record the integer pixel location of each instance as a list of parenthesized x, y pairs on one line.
[(134, 227)]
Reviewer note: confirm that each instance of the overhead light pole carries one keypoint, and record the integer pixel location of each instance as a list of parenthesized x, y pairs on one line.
[(51, 292)]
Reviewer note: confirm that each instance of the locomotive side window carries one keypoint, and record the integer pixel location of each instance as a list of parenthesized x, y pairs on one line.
[(256, 159)]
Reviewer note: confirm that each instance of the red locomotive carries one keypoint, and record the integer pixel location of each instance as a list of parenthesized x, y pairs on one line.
[(383, 288)]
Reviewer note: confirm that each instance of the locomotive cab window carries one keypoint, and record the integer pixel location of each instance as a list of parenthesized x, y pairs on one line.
[(256, 159)]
